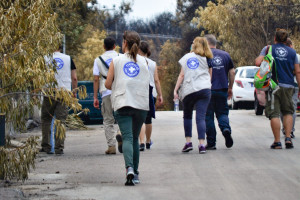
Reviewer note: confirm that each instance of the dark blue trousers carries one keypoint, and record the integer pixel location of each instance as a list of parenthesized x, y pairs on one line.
[(218, 105)]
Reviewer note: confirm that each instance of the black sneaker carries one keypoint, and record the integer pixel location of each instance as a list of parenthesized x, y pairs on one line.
[(148, 145), (120, 142), (228, 139), (211, 147), (292, 135), (59, 152), (142, 147)]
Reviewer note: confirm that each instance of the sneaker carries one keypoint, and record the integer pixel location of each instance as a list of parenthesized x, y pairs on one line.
[(142, 147), (136, 179), (210, 147), (292, 135), (148, 145), (129, 177), (187, 147), (120, 142), (111, 150), (228, 139), (58, 152), (202, 149)]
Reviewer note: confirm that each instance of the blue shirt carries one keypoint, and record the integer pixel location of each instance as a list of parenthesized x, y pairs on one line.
[(221, 64), (285, 59)]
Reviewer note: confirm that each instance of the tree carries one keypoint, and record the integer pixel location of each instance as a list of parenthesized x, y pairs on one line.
[(245, 27), (29, 31), (169, 71), (91, 49)]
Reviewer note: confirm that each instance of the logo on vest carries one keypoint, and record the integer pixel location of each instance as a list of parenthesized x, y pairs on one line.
[(108, 61), (131, 69), (193, 63), (217, 60), (59, 63), (281, 52)]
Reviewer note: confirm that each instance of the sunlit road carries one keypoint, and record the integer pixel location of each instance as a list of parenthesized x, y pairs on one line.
[(249, 170)]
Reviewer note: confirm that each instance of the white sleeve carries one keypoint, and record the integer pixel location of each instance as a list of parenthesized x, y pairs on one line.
[(96, 69)]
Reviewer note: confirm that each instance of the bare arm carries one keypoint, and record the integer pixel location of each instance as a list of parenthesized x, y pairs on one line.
[(179, 81), (96, 89), (74, 79), (297, 73), (210, 72), (110, 76), (231, 80), (157, 86), (259, 60)]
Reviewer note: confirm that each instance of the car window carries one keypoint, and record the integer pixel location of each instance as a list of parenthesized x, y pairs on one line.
[(250, 73), (242, 75)]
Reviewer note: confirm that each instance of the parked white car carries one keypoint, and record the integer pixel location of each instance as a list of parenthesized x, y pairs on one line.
[(243, 87)]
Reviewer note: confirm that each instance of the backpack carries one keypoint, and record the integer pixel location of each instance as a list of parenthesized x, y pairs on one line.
[(262, 78)]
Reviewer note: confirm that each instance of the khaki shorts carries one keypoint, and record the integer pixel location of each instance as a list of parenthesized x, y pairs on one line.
[(283, 103)]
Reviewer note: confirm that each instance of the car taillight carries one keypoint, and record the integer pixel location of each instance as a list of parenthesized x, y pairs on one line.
[(239, 83)]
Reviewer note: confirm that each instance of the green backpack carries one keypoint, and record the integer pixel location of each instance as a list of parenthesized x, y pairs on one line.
[(262, 78)]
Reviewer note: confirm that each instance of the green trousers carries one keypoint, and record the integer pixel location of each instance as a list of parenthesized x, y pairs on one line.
[(130, 121)]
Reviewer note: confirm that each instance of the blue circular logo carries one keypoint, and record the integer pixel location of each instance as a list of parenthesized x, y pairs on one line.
[(193, 63), (59, 63), (281, 52), (108, 61), (131, 69), (217, 60)]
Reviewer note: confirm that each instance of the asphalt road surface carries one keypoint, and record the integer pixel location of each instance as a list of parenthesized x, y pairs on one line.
[(249, 170)]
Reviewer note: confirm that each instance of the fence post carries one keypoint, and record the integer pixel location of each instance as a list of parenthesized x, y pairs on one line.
[(2, 129)]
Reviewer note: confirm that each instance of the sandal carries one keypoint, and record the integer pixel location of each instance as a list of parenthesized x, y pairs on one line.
[(276, 145), (288, 143)]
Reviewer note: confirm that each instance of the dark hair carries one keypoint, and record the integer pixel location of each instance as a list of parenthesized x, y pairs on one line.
[(133, 41), (109, 43), (281, 35), (144, 47), (211, 39), (289, 42)]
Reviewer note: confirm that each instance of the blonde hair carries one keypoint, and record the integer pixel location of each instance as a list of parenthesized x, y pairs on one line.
[(200, 47)]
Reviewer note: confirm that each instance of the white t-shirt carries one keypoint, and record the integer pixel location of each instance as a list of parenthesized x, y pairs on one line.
[(96, 72)]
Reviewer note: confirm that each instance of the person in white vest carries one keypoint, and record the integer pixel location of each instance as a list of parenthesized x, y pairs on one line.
[(66, 79), (100, 70), (195, 82), (154, 93), (128, 78)]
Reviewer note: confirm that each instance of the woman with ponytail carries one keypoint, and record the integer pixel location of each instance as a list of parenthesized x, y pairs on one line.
[(128, 78)]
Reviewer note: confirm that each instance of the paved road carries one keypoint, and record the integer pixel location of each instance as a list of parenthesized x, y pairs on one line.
[(249, 170)]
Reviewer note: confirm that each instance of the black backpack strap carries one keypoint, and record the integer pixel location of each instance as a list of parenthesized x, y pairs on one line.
[(105, 64)]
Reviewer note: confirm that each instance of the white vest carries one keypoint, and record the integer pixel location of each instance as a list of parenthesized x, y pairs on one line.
[(107, 57), (63, 75), (196, 74), (152, 66), (131, 83)]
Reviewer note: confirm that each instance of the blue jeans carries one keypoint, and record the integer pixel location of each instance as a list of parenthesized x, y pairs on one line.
[(199, 99), (218, 104)]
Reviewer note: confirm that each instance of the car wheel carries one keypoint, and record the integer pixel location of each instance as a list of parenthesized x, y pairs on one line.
[(259, 110), (234, 105)]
